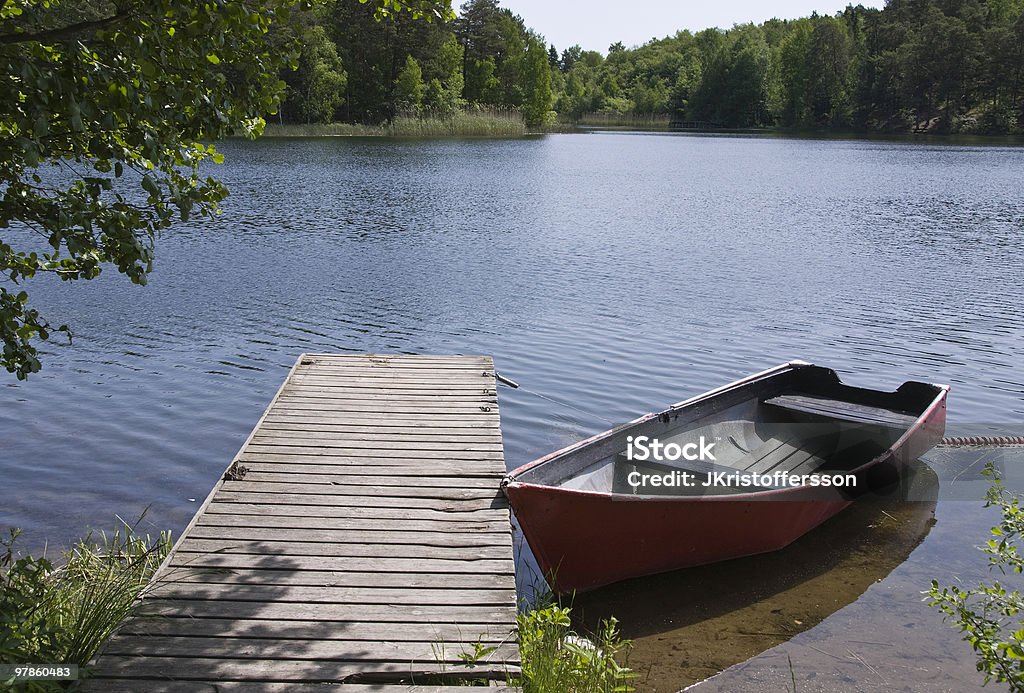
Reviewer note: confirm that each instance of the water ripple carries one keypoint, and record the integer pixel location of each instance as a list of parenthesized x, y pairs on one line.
[(612, 273)]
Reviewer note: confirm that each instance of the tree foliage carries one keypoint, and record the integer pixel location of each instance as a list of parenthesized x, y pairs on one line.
[(318, 84), (943, 65), (105, 109)]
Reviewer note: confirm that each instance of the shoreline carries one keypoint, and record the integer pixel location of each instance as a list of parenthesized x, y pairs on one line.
[(441, 129)]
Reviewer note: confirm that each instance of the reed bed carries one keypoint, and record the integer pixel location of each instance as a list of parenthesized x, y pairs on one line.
[(63, 614), (626, 120), (468, 122)]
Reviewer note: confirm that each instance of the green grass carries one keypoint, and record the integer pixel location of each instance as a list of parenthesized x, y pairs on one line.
[(463, 123), (64, 614), (556, 659)]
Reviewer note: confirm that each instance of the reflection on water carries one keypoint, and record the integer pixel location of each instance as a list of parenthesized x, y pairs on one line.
[(616, 272), (690, 624), (889, 639)]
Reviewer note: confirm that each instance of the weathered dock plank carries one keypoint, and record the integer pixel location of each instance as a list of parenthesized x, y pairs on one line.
[(365, 547)]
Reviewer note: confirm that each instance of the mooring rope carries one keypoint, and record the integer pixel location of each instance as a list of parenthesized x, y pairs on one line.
[(981, 441)]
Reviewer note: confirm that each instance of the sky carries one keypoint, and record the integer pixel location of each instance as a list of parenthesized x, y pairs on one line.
[(597, 25)]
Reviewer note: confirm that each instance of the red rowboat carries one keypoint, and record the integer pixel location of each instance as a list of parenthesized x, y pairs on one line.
[(742, 469)]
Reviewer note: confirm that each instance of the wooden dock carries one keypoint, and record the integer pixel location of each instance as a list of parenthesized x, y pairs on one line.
[(359, 538)]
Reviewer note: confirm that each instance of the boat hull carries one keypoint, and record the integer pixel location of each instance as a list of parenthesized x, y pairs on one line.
[(585, 540)]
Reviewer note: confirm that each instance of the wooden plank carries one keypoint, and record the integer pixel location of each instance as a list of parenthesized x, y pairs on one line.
[(402, 613), (331, 489), (319, 630), (453, 505), (844, 411), (440, 373), (296, 648), (436, 368), (327, 439), (203, 668), (391, 439), (328, 358), (345, 466), (463, 395), (426, 435), (396, 410), (271, 454), (383, 427), (351, 523), (424, 378), (386, 381), (303, 594), (337, 578), (319, 449), (354, 479), (342, 557), (479, 419), (270, 508), (393, 538), (282, 551), (393, 394)]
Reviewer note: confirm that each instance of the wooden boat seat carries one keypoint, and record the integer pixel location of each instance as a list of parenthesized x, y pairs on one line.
[(843, 411), (793, 455)]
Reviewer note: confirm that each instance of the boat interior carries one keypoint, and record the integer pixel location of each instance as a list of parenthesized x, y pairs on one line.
[(800, 421)]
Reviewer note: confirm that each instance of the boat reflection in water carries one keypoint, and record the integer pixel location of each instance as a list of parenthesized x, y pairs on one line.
[(688, 625)]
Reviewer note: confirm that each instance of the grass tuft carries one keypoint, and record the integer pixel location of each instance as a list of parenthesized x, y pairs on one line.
[(556, 659), (63, 615)]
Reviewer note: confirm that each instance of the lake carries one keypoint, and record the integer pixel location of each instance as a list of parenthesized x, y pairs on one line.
[(612, 273)]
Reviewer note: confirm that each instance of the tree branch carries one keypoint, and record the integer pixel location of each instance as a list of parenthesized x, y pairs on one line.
[(63, 33)]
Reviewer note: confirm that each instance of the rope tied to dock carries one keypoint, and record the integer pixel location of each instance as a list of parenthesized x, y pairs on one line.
[(981, 441)]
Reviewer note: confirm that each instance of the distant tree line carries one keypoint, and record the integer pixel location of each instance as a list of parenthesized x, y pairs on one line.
[(936, 65), (356, 69)]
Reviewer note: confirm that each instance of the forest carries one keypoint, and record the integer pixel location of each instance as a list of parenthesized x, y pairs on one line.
[(934, 65)]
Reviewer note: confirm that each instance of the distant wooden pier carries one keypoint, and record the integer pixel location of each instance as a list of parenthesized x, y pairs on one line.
[(359, 538)]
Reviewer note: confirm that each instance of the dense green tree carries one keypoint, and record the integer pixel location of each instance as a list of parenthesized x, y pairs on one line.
[(317, 87), (478, 32), (409, 86), (537, 84), (733, 87), (482, 85), (511, 59), (936, 65), (444, 90), (812, 72), (569, 57)]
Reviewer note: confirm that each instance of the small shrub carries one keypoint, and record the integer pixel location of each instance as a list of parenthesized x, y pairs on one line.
[(558, 660), (991, 617), (63, 615)]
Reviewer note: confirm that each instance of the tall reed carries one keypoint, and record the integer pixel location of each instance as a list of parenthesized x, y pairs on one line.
[(63, 615), (641, 121), (471, 121)]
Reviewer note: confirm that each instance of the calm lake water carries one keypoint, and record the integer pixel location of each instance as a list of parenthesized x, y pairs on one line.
[(616, 272)]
